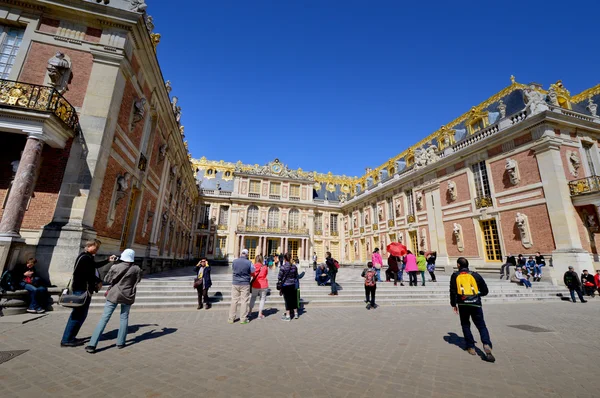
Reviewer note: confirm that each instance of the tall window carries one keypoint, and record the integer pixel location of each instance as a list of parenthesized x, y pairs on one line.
[(411, 202), (333, 223), (588, 158), (252, 216), (255, 186), (491, 240), (482, 185), (275, 188), (294, 191), (374, 214), (319, 222), (273, 221), (294, 219), (223, 215), (10, 41)]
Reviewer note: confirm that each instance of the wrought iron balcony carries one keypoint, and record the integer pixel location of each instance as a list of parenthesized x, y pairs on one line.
[(483, 201), (271, 230), (584, 186), (38, 98)]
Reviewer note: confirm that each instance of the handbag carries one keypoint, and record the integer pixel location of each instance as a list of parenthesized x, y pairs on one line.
[(68, 299), (197, 283)]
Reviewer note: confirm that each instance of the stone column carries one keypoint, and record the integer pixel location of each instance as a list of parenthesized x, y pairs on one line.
[(21, 189), (242, 242), (562, 214)]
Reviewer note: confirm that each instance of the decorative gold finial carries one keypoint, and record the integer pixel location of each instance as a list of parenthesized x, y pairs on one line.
[(512, 79), (155, 37)]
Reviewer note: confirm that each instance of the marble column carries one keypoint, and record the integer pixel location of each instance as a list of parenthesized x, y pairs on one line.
[(243, 241), (22, 188)]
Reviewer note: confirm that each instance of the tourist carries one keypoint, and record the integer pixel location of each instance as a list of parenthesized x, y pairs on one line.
[(530, 267), (573, 283), (370, 276), (299, 299), (422, 266), (537, 270), (597, 280), (288, 275), (30, 281), (275, 262), (332, 271), (510, 260), (84, 279), (431, 265), (402, 266), (240, 287), (123, 278), (314, 258), (521, 261), (260, 285), (411, 268), (589, 284), (518, 277), (392, 271), (466, 289), (377, 263), (321, 275), (203, 274)]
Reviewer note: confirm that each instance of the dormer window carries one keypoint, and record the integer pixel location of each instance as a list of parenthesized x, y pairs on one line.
[(477, 120)]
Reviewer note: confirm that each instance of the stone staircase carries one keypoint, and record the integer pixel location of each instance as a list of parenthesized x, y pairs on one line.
[(174, 290)]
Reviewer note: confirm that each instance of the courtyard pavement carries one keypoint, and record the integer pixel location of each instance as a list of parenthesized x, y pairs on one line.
[(412, 351)]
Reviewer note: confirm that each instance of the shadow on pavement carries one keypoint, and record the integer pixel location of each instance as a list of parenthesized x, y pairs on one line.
[(130, 329), (454, 339), (152, 334)]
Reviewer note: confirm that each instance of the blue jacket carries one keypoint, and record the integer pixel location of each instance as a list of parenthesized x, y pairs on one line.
[(206, 279)]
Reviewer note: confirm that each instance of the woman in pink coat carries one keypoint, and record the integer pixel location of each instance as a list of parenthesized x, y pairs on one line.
[(411, 268), (377, 263)]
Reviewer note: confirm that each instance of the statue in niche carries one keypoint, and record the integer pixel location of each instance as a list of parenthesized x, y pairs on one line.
[(168, 86), (423, 239), (513, 171), (502, 109), (419, 200), (138, 111), (523, 226), (174, 170), (367, 218), (574, 163), (162, 152), (452, 190), (58, 71), (457, 233), (356, 248), (368, 247), (398, 208), (345, 224), (355, 222), (552, 96), (165, 217), (592, 107), (380, 212), (400, 238), (123, 182), (536, 102)]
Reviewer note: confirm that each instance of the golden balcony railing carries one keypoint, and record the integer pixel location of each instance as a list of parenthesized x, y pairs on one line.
[(584, 185), (483, 201), (38, 98), (271, 230)]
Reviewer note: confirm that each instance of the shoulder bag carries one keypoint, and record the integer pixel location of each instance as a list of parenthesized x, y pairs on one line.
[(68, 299), (255, 277)]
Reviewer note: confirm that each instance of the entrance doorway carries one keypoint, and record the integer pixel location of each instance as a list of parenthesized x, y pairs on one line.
[(273, 247), (251, 244), (293, 247), (491, 241), (414, 242)]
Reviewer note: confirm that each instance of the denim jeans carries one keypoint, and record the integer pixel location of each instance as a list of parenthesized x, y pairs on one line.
[(422, 277), (38, 296), (333, 284), (525, 282), (378, 273), (109, 308), (468, 312), (579, 293), (401, 273), (262, 293), (76, 319)]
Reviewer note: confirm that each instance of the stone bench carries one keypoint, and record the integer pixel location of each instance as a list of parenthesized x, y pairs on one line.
[(12, 303)]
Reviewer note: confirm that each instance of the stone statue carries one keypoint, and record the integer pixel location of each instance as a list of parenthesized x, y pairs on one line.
[(523, 227), (138, 111), (355, 248), (138, 5), (58, 71), (149, 23), (174, 170), (419, 200), (552, 96), (502, 109), (165, 217), (345, 224), (367, 218), (574, 163), (355, 222), (452, 190), (457, 233), (15, 165), (162, 152), (123, 182), (535, 101), (398, 208), (380, 212), (168, 86), (592, 107), (368, 247), (423, 242), (513, 171), (400, 238), (425, 157)]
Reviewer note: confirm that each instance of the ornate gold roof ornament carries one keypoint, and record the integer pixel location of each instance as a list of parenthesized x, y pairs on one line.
[(476, 120), (559, 95), (512, 79), (584, 95), (445, 137), (409, 158), (155, 37)]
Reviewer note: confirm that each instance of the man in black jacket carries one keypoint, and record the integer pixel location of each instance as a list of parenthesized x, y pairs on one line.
[(332, 269), (467, 304), (84, 279), (510, 260), (572, 281)]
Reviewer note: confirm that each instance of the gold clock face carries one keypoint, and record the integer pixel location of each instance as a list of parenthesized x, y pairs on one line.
[(276, 168)]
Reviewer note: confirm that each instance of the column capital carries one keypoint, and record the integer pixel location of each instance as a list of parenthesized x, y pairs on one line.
[(548, 144)]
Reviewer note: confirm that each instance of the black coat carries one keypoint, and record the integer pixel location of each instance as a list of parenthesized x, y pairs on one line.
[(571, 280), (331, 266), (84, 273)]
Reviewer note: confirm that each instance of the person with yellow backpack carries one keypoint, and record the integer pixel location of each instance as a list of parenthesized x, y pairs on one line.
[(466, 289)]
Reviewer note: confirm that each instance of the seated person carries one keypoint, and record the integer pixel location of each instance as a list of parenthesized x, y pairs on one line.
[(518, 277), (321, 275), (588, 282), (530, 266), (27, 278)]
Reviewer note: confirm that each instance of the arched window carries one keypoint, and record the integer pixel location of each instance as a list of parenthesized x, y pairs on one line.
[(273, 221), (294, 219), (252, 217)]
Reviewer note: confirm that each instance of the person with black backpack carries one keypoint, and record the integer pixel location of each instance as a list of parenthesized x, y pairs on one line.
[(370, 275), (466, 289), (332, 270)]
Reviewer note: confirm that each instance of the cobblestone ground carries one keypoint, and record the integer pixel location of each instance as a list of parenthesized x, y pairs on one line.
[(328, 352)]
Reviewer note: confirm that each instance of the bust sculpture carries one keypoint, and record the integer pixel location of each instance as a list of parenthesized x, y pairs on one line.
[(512, 171), (452, 190)]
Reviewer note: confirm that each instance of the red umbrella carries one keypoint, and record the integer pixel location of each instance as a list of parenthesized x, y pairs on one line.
[(396, 249)]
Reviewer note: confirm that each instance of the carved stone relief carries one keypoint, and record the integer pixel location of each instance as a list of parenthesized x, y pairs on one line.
[(512, 170), (574, 163), (419, 200), (522, 223), (458, 237), (452, 193)]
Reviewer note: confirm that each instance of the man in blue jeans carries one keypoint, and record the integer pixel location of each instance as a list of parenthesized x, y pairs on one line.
[(84, 279), (30, 281), (332, 270), (466, 289)]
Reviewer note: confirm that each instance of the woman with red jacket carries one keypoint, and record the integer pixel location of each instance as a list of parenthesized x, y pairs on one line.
[(260, 285)]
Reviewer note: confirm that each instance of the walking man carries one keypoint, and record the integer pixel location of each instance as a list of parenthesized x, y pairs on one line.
[(572, 281), (332, 270), (466, 289), (240, 287)]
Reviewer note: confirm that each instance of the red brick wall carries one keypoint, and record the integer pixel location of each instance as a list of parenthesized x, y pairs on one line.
[(48, 25), (462, 189), (528, 171), (34, 69), (129, 96), (469, 238), (113, 169), (539, 224), (93, 35)]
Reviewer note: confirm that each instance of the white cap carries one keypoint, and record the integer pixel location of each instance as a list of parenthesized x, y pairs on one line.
[(244, 252), (128, 256)]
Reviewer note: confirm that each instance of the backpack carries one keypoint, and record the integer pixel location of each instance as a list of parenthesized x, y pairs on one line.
[(467, 288), (6, 282), (337, 265), (370, 277)]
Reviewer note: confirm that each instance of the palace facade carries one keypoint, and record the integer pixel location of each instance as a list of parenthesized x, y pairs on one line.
[(515, 174), (92, 144)]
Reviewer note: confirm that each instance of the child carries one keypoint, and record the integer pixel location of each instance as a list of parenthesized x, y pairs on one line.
[(370, 276), (521, 278), (530, 266)]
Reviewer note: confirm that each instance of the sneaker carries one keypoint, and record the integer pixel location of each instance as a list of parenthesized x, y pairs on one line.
[(369, 306), (374, 306), (90, 349), (261, 317), (286, 318), (74, 343), (31, 310), (199, 307), (244, 322), (120, 346), (471, 351), (230, 321), (401, 284), (584, 301), (488, 353), (296, 316), (40, 310)]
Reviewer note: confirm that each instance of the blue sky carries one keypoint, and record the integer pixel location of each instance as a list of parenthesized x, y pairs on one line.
[(343, 85)]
